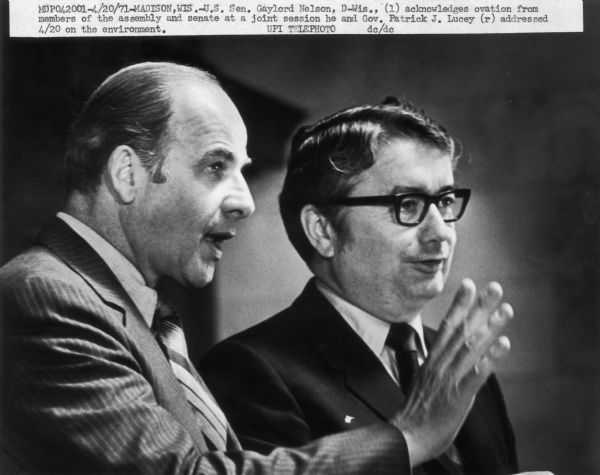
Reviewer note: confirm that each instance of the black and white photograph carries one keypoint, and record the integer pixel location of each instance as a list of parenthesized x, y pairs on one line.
[(301, 253)]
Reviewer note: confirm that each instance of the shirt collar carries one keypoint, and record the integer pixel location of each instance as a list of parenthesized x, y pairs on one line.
[(130, 277), (372, 330)]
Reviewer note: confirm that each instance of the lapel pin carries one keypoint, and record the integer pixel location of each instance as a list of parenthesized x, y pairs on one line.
[(348, 419)]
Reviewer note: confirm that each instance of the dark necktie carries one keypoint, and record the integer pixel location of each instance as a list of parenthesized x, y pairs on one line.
[(403, 339), (405, 342), (167, 325)]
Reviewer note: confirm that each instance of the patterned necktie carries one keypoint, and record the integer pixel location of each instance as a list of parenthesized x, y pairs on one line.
[(167, 325), (403, 339), (405, 342)]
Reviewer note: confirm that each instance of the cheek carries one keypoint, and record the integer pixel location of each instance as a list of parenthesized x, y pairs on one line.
[(398, 244), (181, 213), (452, 247), (374, 253)]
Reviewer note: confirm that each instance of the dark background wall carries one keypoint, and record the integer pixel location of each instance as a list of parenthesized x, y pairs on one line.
[(527, 111)]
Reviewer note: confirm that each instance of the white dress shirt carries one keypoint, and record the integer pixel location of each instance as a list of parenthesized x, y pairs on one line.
[(372, 330)]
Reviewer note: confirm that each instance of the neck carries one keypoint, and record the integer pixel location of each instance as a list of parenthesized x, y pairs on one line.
[(101, 215), (392, 312)]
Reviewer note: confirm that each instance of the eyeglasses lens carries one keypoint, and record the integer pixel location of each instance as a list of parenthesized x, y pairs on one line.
[(412, 209)]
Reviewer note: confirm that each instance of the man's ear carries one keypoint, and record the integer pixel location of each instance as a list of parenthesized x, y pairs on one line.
[(125, 173), (318, 230)]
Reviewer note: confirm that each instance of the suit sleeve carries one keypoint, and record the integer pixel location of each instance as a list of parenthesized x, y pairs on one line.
[(76, 400)]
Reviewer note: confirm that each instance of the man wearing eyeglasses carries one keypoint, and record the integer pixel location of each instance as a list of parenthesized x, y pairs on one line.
[(370, 203)]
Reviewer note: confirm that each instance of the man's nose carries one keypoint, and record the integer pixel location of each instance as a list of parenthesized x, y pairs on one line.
[(239, 203), (434, 228)]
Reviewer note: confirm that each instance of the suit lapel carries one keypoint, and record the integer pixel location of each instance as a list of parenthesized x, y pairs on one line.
[(85, 261), (481, 430), (365, 377), (79, 256), (345, 352), (233, 442)]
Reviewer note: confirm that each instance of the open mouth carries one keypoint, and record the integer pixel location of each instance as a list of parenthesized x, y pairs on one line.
[(218, 238)]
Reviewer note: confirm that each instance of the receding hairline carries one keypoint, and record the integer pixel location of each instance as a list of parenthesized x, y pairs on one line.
[(178, 88), (209, 92), (168, 72), (171, 77), (192, 96)]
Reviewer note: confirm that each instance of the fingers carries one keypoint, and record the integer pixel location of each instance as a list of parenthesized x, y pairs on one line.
[(487, 364), (459, 309), (484, 328), (487, 302), (479, 361), (469, 347), (461, 304), (471, 330)]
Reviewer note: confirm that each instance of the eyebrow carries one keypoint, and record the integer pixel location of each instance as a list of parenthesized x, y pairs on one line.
[(223, 154), (398, 189)]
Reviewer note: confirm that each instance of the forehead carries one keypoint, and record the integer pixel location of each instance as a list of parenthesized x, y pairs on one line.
[(404, 163), (204, 114)]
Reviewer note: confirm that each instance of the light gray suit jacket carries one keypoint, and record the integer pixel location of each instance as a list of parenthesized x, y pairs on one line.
[(87, 389)]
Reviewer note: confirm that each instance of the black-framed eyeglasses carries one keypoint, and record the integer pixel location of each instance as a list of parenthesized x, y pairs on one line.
[(410, 209)]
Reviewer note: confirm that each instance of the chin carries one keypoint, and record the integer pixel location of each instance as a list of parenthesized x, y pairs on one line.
[(426, 291), (199, 277)]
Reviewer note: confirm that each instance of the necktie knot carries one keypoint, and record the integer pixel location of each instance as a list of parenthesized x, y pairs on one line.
[(403, 337), (167, 325), (164, 309), (404, 340)]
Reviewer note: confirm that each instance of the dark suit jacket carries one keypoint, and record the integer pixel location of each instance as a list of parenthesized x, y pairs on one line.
[(305, 373), (87, 389)]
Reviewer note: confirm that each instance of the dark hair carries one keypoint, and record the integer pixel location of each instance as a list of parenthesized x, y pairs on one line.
[(326, 158), (132, 107)]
